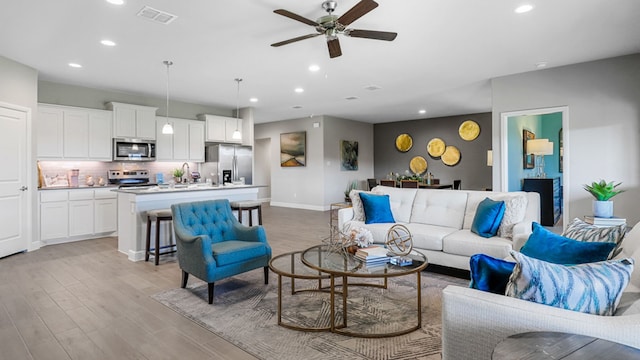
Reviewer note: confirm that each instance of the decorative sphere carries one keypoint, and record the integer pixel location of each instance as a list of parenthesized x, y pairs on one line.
[(399, 240)]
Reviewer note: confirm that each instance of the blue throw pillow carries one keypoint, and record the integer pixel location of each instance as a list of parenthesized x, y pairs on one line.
[(488, 216), (490, 274), (377, 208), (547, 246)]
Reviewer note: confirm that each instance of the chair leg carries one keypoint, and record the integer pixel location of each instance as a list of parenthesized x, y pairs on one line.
[(185, 278), (240, 215), (146, 254), (266, 275), (260, 215), (210, 288), (157, 250)]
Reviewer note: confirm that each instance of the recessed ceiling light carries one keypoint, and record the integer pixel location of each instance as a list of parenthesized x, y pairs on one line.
[(314, 68), (106, 42), (253, 99), (541, 64), (116, 2), (299, 90), (75, 65), (297, 106), (523, 8), (422, 111)]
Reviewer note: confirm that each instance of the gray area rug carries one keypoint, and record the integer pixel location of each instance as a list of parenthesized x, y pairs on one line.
[(244, 313)]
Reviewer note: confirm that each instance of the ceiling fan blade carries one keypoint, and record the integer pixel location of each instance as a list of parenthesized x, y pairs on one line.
[(334, 48), (371, 34), (294, 40), (297, 17), (356, 12)]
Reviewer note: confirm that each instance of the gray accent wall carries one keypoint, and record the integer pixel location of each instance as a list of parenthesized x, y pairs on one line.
[(472, 168), (603, 132)]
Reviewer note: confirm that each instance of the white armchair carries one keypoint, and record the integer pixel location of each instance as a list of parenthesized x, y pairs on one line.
[(474, 322)]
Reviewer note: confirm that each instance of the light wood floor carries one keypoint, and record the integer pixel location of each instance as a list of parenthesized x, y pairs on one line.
[(84, 300)]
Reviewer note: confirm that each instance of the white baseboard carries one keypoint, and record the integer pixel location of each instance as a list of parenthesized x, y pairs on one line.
[(298, 206)]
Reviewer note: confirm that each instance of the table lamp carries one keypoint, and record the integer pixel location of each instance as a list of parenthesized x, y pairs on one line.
[(539, 148)]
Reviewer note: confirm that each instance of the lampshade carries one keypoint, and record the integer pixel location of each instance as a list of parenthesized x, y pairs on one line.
[(540, 147), (167, 129), (237, 135)]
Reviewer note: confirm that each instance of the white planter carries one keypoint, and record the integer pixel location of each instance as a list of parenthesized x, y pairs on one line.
[(603, 209)]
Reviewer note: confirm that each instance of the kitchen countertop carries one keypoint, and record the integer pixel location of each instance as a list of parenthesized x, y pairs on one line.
[(180, 188), (81, 187)]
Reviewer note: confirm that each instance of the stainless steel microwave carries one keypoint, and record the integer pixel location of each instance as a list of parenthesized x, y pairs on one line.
[(126, 149)]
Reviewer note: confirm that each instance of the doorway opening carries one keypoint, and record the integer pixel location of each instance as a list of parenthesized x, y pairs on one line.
[(516, 164)]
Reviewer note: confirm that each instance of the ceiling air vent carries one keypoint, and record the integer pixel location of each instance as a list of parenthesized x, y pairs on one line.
[(372, 87), (351, 98), (155, 15)]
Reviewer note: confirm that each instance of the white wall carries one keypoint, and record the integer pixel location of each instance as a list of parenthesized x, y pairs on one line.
[(603, 133), (321, 182)]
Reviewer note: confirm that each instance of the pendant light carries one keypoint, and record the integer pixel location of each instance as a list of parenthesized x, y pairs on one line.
[(167, 128), (237, 135)]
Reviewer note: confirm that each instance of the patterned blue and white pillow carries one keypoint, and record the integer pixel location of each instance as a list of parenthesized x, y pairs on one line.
[(593, 288), (582, 231)]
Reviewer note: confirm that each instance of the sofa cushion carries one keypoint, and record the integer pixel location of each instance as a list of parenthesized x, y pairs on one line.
[(465, 243), (428, 237), (488, 217), (580, 230), (401, 201), (439, 207), (376, 208), (593, 288), (490, 274), (515, 209), (547, 246), (233, 251)]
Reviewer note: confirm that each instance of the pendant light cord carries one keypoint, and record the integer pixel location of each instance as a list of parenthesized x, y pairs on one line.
[(238, 80), (168, 63)]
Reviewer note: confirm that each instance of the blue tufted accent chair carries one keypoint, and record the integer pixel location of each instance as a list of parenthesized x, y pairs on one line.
[(213, 245)]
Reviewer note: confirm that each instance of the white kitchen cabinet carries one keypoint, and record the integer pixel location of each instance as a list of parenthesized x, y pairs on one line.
[(185, 144), (221, 128), (69, 215), (54, 215), (133, 121), (65, 132)]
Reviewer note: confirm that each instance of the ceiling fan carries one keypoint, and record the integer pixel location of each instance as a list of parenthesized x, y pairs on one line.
[(331, 25)]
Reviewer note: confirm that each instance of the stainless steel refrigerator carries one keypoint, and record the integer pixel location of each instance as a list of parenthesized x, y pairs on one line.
[(236, 160)]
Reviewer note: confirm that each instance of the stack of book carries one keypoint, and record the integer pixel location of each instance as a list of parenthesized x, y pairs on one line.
[(600, 221), (374, 254)]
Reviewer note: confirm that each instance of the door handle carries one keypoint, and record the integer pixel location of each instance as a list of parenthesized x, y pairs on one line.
[(24, 188)]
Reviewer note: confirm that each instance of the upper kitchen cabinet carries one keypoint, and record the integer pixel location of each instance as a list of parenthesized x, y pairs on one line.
[(133, 121), (221, 128), (65, 132), (185, 144)]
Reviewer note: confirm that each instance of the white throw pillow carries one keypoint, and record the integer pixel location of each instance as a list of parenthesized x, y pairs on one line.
[(514, 212), (356, 203)]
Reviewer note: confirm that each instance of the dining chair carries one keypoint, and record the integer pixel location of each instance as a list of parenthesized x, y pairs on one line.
[(413, 184), (457, 184), (372, 183), (391, 183)]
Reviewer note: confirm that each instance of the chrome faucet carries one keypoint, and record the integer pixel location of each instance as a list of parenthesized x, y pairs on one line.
[(187, 174)]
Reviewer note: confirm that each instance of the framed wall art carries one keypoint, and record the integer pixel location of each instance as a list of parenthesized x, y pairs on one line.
[(293, 149), (348, 155), (529, 161)]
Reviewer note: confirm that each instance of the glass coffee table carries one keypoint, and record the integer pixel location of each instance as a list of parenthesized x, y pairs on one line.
[(323, 263)]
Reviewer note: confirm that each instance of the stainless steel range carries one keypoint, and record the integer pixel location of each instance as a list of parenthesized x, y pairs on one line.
[(129, 178)]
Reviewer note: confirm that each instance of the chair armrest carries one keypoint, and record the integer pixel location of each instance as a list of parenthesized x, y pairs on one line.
[(344, 215), (250, 233), (474, 322), (521, 232)]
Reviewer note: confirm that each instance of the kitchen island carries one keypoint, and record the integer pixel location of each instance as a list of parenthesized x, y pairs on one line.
[(133, 204)]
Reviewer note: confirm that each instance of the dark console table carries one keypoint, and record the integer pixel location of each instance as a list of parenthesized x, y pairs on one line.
[(550, 198)]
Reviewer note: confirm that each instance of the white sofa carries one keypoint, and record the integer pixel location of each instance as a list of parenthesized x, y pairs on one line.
[(440, 222), (474, 322)]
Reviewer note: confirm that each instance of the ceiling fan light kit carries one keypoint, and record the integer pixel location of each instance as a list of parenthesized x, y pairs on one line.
[(331, 26)]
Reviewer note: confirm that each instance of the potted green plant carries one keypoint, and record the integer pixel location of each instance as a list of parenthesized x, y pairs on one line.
[(177, 175), (603, 192), (351, 185)]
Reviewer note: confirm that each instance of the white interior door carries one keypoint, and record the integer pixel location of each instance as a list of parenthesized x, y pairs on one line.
[(13, 180)]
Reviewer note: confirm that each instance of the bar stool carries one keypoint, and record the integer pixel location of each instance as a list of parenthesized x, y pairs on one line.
[(249, 206), (158, 216)]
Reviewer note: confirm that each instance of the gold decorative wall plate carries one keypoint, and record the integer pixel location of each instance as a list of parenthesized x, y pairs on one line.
[(404, 142), (451, 156), (418, 165), (469, 130), (435, 147)]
